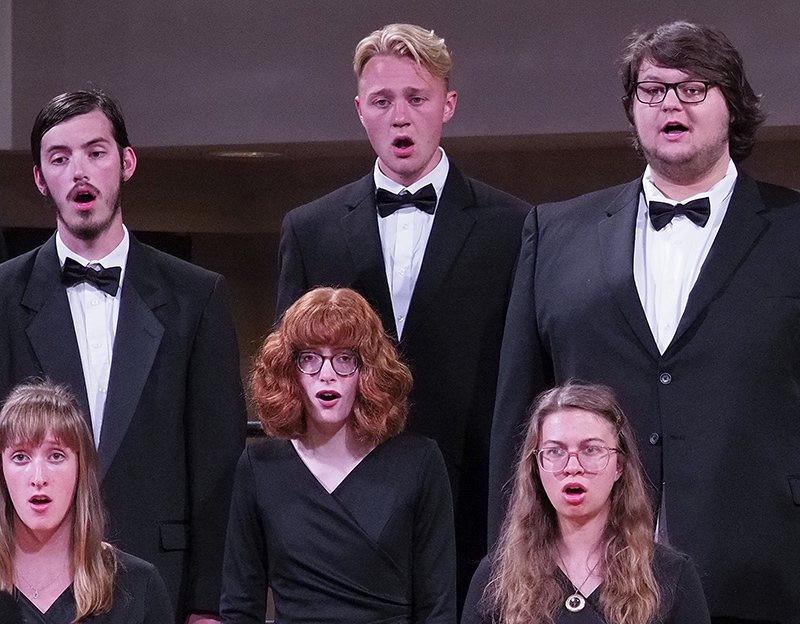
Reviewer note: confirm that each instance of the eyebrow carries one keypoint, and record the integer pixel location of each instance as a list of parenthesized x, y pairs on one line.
[(584, 441)]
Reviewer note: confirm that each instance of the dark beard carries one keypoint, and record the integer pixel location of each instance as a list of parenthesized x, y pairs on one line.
[(89, 231)]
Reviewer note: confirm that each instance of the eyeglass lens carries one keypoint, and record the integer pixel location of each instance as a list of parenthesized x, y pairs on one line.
[(591, 458), (344, 363), (688, 92)]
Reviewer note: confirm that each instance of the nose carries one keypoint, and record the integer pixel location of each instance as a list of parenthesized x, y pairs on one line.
[(39, 473), (326, 373), (573, 465), (78, 167), (400, 113), (671, 98)]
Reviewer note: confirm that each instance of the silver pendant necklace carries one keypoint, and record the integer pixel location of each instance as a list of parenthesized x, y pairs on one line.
[(45, 586), (576, 601)]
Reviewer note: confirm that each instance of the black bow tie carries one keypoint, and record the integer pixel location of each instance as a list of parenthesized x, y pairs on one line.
[(697, 211), (424, 199), (106, 280)]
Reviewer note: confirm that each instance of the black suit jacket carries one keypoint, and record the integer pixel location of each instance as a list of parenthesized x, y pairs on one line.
[(174, 416), (717, 415), (452, 335)]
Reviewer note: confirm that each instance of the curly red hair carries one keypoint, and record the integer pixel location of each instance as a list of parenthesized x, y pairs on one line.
[(338, 318)]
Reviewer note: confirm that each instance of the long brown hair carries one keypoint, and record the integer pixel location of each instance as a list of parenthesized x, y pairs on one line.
[(335, 317), (31, 411), (524, 588)]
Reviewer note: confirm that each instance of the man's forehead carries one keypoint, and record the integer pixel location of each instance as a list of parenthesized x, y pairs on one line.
[(396, 71), (649, 67), (93, 124)]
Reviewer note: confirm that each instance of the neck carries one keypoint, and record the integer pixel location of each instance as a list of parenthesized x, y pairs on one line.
[(678, 183), (407, 181), (333, 445), (43, 548), (97, 247), (579, 539)]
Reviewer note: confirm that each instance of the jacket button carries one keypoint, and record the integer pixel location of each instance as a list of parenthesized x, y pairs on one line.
[(653, 438), (665, 378)]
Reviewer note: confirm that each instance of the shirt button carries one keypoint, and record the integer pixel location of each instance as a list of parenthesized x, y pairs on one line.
[(665, 378), (96, 345), (95, 302), (405, 226), (400, 319), (401, 271), (654, 438)]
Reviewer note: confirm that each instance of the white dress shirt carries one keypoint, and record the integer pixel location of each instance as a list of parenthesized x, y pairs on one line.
[(666, 263), (94, 317), (404, 236)]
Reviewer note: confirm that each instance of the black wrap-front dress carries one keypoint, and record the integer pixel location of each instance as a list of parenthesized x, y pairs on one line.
[(379, 549)]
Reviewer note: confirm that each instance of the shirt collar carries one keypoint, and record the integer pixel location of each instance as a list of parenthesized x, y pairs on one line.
[(437, 178), (117, 257), (716, 194)]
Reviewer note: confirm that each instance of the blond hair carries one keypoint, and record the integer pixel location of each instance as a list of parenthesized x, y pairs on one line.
[(524, 588), (31, 411), (406, 41)]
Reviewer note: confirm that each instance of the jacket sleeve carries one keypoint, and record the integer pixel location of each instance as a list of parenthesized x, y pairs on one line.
[(434, 571), (522, 375), (216, 418), (292, 281), (244, 580)]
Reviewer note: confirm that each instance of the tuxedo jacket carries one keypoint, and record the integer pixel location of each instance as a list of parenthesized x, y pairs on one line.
[(453, 331), (717, 416), (174, 417)]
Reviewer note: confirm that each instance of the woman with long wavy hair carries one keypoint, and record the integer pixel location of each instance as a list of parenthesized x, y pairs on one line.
[(577, 545), (52, 554), (346, 518)]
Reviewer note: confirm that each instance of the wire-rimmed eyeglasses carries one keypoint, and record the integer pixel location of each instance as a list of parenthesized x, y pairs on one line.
[(592, 458), (344, 363), (687, 91)]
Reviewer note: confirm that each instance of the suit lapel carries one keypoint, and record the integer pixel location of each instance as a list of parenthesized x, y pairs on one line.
[(51, 332), (451, 226), (138, 337), (616, 241), (360, 227), (740, 229)]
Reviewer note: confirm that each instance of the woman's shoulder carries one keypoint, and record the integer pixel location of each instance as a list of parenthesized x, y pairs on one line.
[(139, 592), (131, 569), (669, 563), (476, 609), (267, 449), (409, 457), (411, 444)]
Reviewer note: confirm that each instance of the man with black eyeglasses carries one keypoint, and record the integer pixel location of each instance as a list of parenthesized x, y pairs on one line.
[(681, 290)]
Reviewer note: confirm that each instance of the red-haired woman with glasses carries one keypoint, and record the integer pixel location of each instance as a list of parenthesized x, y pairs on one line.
[(343, 516)]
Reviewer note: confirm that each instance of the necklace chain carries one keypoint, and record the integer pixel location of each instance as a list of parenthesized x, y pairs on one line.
[(577, 601), (46, 585)]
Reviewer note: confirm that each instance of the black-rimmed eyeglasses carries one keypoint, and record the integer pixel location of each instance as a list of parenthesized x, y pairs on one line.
[(592, 458), (688, 91), (344, 363)]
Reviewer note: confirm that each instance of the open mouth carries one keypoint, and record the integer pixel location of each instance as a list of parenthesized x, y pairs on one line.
[(403, 143), (84, 195), (39, 500), (574, 489), (675, 128), (84, 198), (328, 395)]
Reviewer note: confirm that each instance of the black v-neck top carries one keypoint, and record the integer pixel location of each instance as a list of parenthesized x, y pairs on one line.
[(380, 548)]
